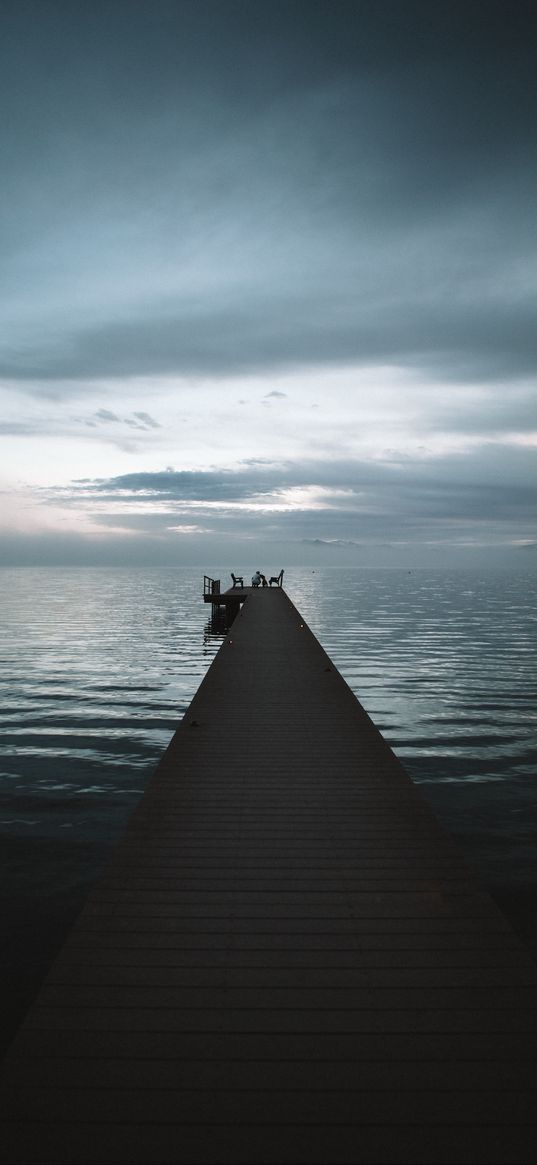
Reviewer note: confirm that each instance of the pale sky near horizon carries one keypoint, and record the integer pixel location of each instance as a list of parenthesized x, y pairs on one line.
[(269, 275)]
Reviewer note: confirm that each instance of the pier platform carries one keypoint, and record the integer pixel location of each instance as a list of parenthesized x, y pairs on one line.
[(287, 959)]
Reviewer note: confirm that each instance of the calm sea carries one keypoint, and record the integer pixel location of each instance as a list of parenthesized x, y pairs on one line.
[(97, 667)]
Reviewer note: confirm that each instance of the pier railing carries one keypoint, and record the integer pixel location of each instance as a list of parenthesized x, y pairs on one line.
[(211, 586)]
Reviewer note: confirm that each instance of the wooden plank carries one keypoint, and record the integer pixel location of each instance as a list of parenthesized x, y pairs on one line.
[(287, 959)]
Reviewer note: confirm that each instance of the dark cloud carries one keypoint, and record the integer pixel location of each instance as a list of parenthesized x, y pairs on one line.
[(146, 420), (137, 420), (56, 423), (19, 428), (331, 543), (511, 409), (347, 502), (187, 485), (218, 188), (106, 415), (221, 187), (447, 339)]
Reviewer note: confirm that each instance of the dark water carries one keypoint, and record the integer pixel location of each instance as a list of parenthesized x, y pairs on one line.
[(98, 666), (446, 665)]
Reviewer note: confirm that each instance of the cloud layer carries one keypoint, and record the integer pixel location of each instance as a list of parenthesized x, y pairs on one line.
[(216, 212), (241, 186)]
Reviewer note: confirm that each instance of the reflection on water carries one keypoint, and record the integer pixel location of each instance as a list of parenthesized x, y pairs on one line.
[(445, 664), (96, 669), (217, 626), (98, 666)]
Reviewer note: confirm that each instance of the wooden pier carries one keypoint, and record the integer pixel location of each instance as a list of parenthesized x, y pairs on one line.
[(287, 960)]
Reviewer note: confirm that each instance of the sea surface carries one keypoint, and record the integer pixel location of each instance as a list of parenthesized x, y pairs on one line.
[(97, 666)]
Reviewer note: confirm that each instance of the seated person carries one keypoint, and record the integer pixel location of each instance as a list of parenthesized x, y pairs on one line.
[(257, 579)]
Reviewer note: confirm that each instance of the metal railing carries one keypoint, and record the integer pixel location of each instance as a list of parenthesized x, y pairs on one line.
[(211, 586)]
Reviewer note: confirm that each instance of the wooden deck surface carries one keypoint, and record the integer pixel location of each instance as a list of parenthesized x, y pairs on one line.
[(287, 960)]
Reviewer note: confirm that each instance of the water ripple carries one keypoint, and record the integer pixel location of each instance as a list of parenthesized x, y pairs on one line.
[(98, 666)]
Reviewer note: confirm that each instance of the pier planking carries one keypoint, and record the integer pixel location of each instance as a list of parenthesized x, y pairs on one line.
[(287, 959)]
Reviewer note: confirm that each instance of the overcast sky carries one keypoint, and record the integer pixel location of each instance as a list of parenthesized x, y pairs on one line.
[(269, 273)]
